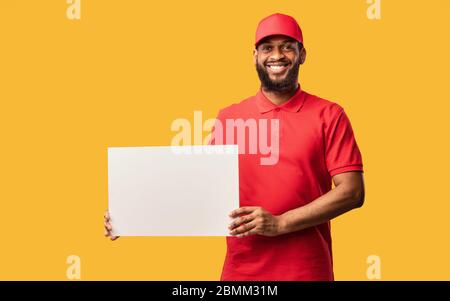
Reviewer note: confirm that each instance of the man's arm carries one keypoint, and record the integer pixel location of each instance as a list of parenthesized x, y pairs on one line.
[(347, 195)]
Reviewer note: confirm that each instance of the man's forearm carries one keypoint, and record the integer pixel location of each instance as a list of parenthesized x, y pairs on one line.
[(328, 206)]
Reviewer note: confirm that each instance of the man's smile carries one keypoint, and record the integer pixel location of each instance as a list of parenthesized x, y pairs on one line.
[(277, 68)]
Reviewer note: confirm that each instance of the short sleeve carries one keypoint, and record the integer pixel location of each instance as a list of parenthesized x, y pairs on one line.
[(342, 152)]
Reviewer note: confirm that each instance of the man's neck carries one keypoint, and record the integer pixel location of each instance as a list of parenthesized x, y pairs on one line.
[(278, 98)]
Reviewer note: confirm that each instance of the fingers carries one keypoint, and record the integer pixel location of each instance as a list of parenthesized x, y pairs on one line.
[(108, 227), (245, 225), (248, 233), (239, 231), (243, 210), (241, 220), (108, 233)]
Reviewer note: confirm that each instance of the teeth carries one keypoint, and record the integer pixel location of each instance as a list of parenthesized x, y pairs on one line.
[(276, 67)]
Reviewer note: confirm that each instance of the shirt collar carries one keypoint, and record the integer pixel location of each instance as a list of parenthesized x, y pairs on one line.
[(291, 105)]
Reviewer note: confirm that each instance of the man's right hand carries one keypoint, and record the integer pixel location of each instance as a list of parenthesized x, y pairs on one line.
[(108, 227)]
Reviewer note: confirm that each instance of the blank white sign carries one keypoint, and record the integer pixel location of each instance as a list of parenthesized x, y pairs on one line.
[(172, 190)]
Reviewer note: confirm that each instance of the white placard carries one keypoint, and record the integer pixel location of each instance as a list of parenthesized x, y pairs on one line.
[(172, 190)]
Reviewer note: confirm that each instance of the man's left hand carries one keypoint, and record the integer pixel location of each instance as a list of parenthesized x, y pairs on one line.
[(255, 220)]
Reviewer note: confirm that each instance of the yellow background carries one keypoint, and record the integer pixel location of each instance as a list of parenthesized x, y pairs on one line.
[(127, 69)]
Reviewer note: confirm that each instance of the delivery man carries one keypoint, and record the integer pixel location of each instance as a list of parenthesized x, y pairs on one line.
[(282, 229)]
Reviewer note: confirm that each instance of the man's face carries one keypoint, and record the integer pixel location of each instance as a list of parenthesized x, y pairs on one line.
[(277, 59)]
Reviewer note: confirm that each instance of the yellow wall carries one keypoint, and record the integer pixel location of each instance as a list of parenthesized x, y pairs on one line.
[(122, 73)]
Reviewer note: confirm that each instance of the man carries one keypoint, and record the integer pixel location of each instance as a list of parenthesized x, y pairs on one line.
[(282, 229)]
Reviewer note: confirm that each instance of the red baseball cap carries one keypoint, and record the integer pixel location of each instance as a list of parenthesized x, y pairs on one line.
[(278, 24)]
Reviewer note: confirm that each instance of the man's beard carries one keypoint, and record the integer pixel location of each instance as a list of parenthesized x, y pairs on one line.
[(289, 83)]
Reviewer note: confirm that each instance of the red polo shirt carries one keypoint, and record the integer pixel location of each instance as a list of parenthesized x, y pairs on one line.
[(316, 142)]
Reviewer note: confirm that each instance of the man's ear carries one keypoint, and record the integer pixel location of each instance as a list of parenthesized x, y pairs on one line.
[(302, 55), (255, 56)]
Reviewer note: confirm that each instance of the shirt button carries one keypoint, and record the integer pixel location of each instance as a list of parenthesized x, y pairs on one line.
[(277, 109)]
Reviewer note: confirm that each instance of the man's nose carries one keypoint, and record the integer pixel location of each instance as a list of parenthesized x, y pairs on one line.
[(276, 54)]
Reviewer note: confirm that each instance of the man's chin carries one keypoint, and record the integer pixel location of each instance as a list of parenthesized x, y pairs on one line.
[(277, 79), (280, 86)]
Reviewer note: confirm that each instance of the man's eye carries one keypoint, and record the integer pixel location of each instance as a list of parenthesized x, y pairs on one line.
[(288, 47), (266, 48)]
